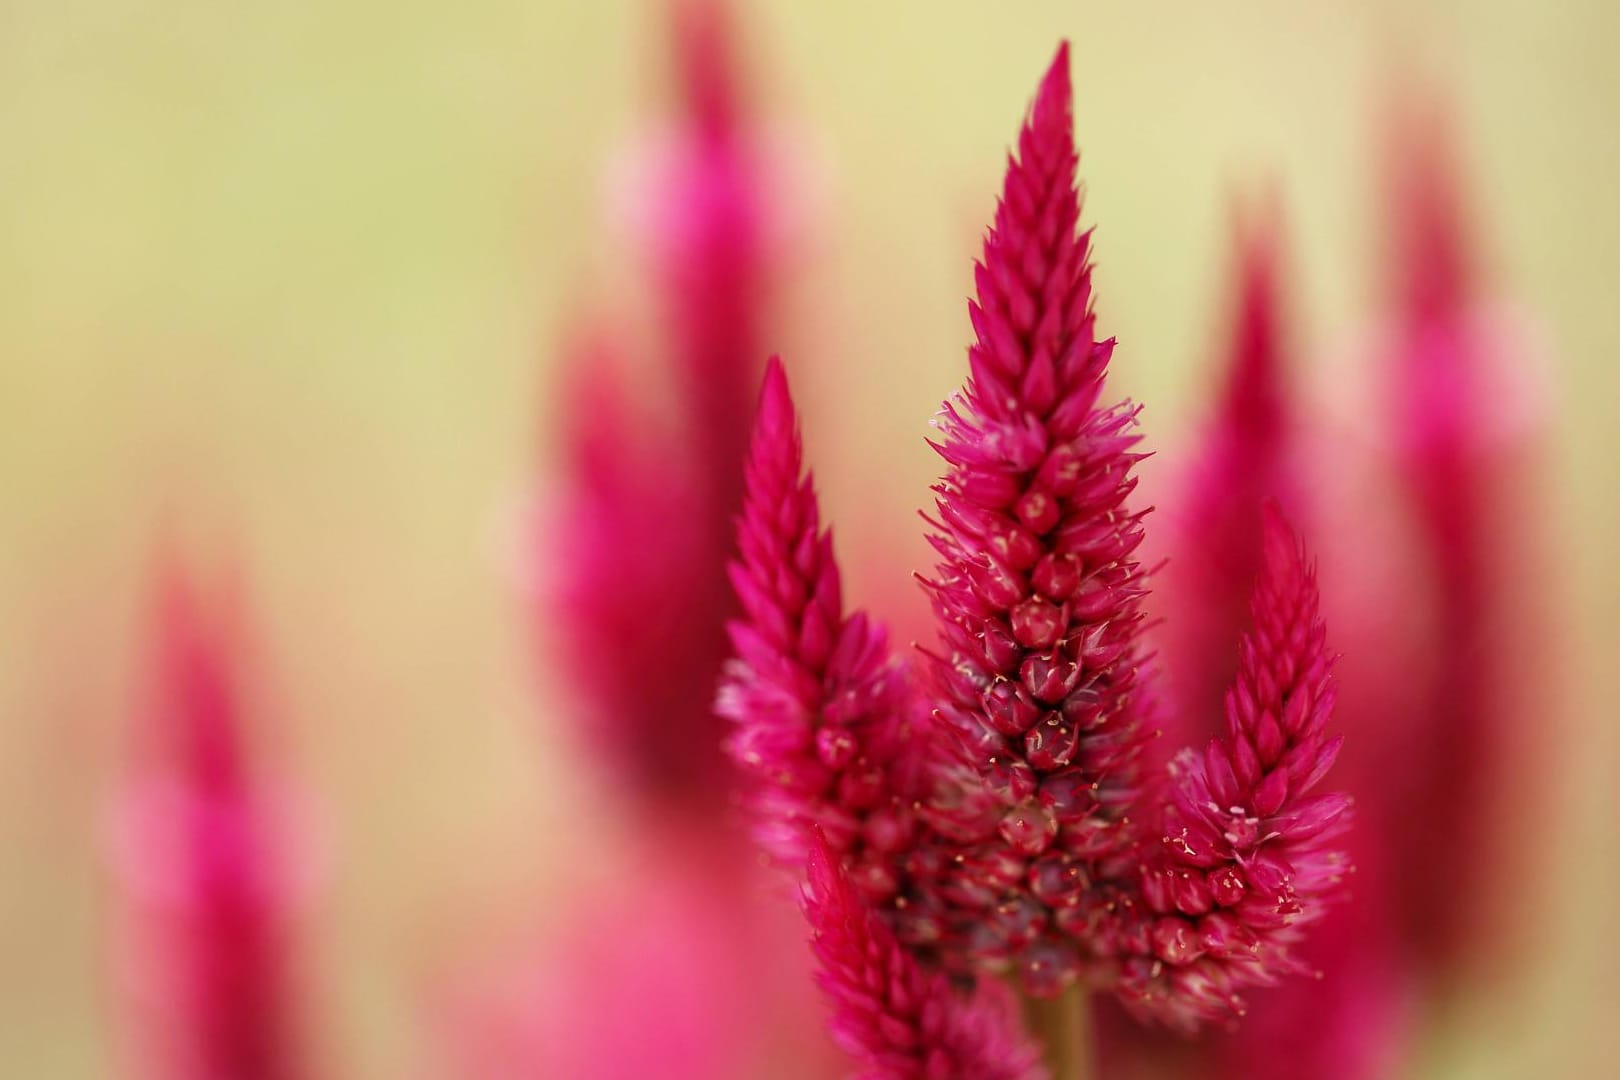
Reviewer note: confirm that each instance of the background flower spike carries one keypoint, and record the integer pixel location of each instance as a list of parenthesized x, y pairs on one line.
[(205, 864)]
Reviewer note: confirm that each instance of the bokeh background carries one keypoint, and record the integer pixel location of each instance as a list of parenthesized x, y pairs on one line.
[(284, 285)]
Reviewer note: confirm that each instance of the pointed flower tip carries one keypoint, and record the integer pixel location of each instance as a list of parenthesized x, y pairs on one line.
[(776, 408), (1055, 99), (707, 63), (1283, 547), (821, 869), (195, 696)]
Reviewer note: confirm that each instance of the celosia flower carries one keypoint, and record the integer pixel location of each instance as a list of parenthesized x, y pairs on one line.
[(1025, 854), (898, 1020), (204, 861)]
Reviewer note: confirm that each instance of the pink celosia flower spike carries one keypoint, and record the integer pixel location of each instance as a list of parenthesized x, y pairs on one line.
[(1038, 593), (1247, 856), (203, 865), (811, 690), (899, 1021)]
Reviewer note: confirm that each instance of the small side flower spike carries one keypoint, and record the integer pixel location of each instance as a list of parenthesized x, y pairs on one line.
[(1247, 856), (812, 691)]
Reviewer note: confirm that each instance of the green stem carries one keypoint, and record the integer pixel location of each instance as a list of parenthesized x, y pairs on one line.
[(1062, 1025)]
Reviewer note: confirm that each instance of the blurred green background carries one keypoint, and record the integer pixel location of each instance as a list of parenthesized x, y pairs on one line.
[(284, 283)]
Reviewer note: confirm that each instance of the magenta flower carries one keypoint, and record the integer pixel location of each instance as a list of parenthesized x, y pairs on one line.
[(1010, 832), (660, 979), (204, 861), (897, 1019)]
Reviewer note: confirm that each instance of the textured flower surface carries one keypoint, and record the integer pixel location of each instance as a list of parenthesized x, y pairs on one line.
[(1038, 593), (897, 1019)]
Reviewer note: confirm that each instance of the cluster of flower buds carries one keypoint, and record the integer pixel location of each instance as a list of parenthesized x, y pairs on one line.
[(991, 801)]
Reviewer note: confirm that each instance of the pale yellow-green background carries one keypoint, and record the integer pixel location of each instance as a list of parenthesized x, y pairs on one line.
[(285, 280)]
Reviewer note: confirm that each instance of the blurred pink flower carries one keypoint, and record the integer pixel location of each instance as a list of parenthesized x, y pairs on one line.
[(1210, 524), (1466, 401), (660, 979), (207, 864), (635, 547)]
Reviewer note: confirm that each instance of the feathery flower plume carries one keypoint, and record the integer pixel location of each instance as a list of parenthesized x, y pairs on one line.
[(898, 1020), (1247, 858), (202, 860)]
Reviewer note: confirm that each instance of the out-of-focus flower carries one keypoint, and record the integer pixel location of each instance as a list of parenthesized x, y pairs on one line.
[(1465, 401), (635, 547), (683, 972), (636, 599), (898, 1020), (205, 861), (660, 979)]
